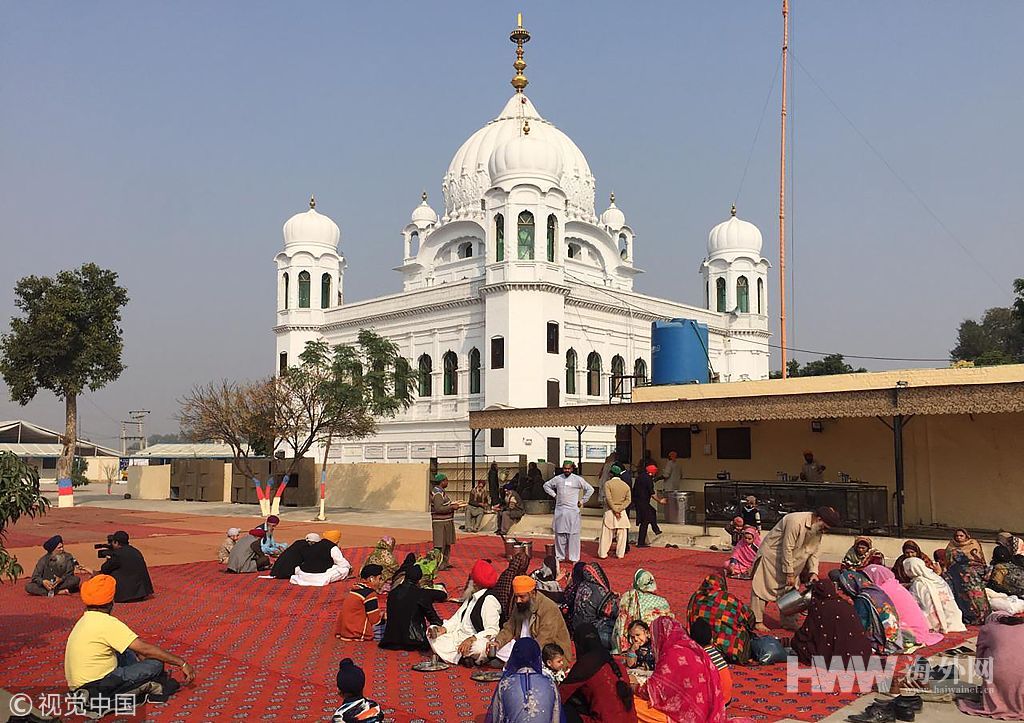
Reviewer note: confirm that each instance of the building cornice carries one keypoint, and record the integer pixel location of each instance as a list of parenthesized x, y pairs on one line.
[(524, 286)]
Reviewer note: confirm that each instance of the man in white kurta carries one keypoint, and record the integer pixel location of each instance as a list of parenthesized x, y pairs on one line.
[(567, 489), (466, 634)]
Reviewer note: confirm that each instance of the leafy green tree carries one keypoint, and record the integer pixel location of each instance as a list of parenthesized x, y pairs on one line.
[(997, 339), (828, 364), (19, 496), (68, 339)]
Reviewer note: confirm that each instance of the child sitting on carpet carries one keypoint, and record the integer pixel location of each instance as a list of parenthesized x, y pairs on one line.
[(700, 631), (554, 662), (355, 707), (639, 655)]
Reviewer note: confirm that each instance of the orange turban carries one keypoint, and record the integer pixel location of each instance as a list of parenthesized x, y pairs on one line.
[(523, 584), (98, 590), (484, 575), (332, 535)]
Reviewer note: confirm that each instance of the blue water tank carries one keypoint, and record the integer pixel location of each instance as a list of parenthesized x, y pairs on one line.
[(679, 352)]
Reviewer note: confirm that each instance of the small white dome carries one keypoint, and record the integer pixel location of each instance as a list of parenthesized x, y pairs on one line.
[(423, 215), (734, 235), (613, 217), (311, 228), (525, 156)]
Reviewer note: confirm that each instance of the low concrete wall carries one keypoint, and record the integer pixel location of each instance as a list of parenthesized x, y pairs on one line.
[(96, 468), (149, 482), (379, 486)]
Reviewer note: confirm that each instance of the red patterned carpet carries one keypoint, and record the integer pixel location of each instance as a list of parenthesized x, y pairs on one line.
[(265, 649)]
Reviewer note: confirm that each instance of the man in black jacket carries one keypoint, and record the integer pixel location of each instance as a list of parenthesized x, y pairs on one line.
[(128, 567)]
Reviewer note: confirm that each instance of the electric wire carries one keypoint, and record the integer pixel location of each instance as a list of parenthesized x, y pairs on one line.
[(757, 132)]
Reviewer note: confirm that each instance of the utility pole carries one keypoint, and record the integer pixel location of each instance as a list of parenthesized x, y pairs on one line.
[(136, 420), (782, 189)]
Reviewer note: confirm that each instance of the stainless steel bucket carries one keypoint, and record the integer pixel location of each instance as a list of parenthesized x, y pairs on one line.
[(793, 601)]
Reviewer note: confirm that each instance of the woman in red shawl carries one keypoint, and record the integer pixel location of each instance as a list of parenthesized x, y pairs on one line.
[(730, 618), (685, 687), (911, 549), (832, 629)]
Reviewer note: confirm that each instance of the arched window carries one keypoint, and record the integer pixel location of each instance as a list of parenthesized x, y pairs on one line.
[(573, 251), (465, 250), (618, 371), (287, 290), (451, 373), (594, 374), (552, 228), (474, 371), (760, 296), (304, 290), (414, 243), (325, 291), (623, 246), (570, 371), (640, 371), (743, 295), (720, 293), (525, 236), (499, 237), (402, 378), (426, 367), (378, 380)]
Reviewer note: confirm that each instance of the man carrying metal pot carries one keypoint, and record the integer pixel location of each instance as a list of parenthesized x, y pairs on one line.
[(788, 555)]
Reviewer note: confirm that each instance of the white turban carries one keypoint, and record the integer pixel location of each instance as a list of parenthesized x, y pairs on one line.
[(234, 532), (312, 537)]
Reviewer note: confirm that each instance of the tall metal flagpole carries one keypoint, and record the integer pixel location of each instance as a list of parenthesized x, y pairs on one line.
[(782, 190)]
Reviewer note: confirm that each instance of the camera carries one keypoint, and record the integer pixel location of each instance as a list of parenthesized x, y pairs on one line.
[(104, 549)]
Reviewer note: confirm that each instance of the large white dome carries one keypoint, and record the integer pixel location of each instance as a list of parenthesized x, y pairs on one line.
[(311, 228), (734, 235), (525, 157), (468, 177)]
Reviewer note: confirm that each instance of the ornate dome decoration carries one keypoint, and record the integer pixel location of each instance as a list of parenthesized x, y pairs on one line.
[(613, 217), (734, 235), (311, 228), (423, 215), (525, 157)]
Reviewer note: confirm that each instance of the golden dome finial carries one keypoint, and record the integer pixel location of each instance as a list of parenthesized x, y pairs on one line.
[(611, 197), (424, 196), (312, 202), (520, 36), (526, 128), (734, 209)]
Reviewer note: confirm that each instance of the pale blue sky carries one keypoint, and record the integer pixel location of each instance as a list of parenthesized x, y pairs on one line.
[(171, 141)]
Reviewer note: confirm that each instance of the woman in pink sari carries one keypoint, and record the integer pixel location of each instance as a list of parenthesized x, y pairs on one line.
[(912, 619), (743, 555), (685, 686)]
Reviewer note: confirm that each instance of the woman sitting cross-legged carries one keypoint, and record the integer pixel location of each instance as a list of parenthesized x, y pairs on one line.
[(832, 629), (741, 562), (731, 620), (1006, 574), (876, 611), (912, 619), (1001, 642), (589, 599), (525, 694), (934, 597), (641, 602), (597, 688), (861, 554), (911, 549), (967, 581)]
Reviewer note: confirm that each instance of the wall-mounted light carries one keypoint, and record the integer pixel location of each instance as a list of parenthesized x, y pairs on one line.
[(817, 426), (901, 383), (694, 429)]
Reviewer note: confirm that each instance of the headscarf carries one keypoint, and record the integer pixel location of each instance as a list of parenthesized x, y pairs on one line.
[(429, 563), (970, 547), (591, 656), (233, 531), (98, 590), (854, 560), (312, 537), (912, 619), (258, 532), (51, 544), (1011, 542), (743, 552), (525, 654), (831, 629), (588, 596), (407, 564), (877, 612), (967, 581), (638, 603), (934, 597), (384, 555), (273, 520), (685, 684), (502, 589), (1006, 574), (900, 571), (730, 618)]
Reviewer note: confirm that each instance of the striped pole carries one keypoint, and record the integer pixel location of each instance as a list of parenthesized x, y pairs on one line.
[(65, 493)]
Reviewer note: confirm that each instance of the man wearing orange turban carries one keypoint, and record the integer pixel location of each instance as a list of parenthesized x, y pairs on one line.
[(464, 636), (102, 652), (533, 616)]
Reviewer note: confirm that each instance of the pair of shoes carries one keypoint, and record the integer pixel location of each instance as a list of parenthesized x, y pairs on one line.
[(888, 712), (912, 701), (643, 545)]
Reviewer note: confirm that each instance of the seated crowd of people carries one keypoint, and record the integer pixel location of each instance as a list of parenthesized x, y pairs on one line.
[(581, 652)]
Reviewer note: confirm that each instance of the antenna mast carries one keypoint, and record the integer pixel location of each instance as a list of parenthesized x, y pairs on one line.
[(782, 190)]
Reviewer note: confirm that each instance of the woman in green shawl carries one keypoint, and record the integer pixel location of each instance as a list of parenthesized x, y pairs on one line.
[(638, 603)]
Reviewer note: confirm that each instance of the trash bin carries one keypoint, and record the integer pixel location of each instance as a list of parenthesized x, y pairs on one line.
[(677, 508)]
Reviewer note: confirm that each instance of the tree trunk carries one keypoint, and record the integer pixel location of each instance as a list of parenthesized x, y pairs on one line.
[(67, 454)]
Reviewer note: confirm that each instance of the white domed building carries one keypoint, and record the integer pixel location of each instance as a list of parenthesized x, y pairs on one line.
[(518, 295)]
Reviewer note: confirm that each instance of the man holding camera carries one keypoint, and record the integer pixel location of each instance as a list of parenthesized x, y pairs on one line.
[(127, 566)]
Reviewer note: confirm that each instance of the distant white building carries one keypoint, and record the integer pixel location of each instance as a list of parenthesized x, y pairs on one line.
[(519, 295)]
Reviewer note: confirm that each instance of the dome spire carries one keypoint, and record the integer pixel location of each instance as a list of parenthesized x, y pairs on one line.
[(312, 201), (424, 196), (520, 36), (733, 209)]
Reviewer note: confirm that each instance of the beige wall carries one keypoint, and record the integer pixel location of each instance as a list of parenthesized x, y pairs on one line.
[(96, 468), (149, 482), (379, 486), (959, 469)]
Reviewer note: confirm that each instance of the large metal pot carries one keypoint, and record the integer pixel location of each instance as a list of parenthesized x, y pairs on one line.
[(793, 601), (513, 546)]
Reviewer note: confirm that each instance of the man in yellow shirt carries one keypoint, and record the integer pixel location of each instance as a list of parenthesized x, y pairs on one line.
[(104, 657)]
